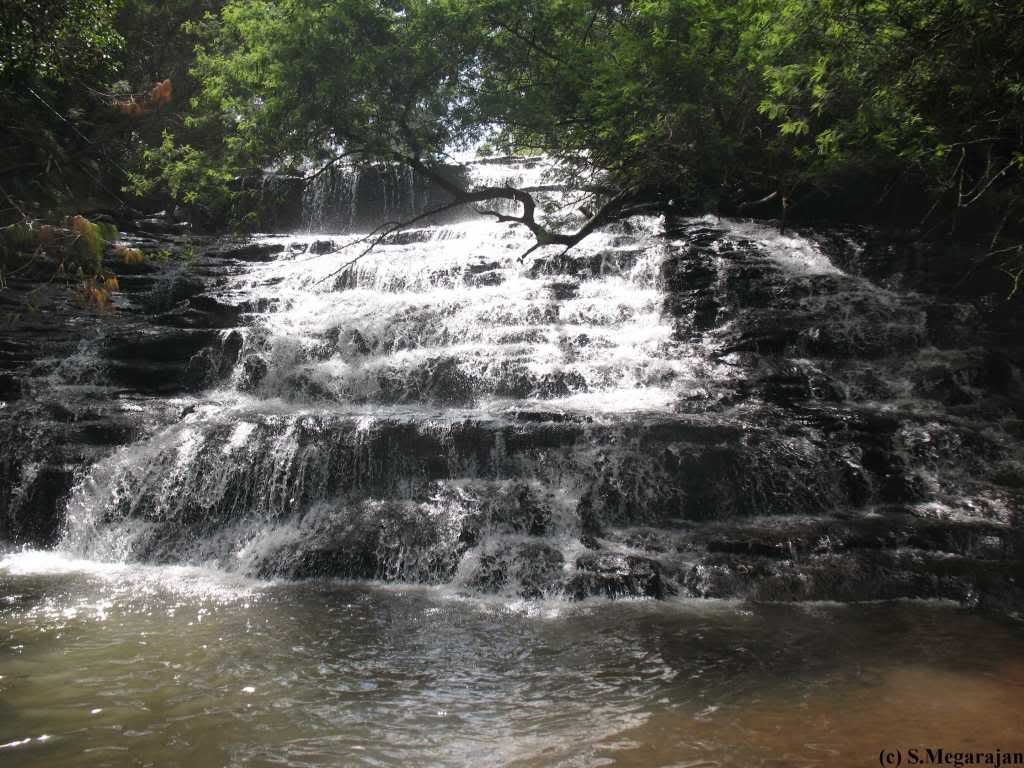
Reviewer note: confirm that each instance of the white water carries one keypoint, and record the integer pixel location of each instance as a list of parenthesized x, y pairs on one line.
[(462, 297)]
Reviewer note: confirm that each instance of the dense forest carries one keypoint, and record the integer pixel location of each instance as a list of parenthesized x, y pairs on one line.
[(896, 112)]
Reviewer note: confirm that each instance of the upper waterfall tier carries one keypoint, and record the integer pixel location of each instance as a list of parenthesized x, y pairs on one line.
[(346, 198), (452, 315)]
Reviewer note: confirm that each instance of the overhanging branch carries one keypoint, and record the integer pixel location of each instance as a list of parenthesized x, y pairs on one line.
[(327, 166), (615, 207), (611, 210)]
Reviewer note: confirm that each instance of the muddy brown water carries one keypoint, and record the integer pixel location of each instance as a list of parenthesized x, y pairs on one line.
[(113, 665)]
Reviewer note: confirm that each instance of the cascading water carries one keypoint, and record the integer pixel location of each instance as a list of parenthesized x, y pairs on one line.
[(422, 415), (343, 198), (705, 411)]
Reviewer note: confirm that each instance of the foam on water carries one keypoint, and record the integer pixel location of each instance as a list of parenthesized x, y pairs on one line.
[(460, 299), (797, 253), (119, 580)]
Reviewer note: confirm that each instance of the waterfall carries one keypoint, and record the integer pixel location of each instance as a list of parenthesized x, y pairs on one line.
[(374, 410), (330, 200), (345, 198), (704, 407)]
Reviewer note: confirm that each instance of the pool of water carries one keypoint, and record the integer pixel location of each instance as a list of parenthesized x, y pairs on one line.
[(105, 665)]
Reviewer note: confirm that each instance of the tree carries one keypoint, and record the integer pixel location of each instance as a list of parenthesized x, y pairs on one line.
[(49, 51), (729, 105), (55, 40), (926, 95), (285, 83)]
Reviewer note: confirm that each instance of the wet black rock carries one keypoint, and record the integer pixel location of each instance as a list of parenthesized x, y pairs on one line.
[(10, 387), (832, 438), (254, 370), (484, 278), (32, 508), (77, 384), (531, 569), (159, 225), (215, 312), (516, 507), (877, 575), (322, 246), (248, 252), (615, 575)]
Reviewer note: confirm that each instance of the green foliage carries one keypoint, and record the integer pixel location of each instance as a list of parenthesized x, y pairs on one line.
[(908, 83), (84, 253), (77, 80), (50, 152), (191, 175), (712, 104), (917, 92), (74, 254), (18, 237), (56, 39), (647, 91), (653, 93), (161, 43), (288, 81)]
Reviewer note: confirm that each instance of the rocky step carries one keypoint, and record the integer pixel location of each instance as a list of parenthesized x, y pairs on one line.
[(728, 284), (472, 274), (860, 576), (791, 538), (668, 474), (244, 251), (653, 471), (490, 537), (445, 379), (46, 445), (169, 360)]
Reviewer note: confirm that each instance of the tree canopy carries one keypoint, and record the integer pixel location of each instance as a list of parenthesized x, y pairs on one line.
[(912, 109)]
